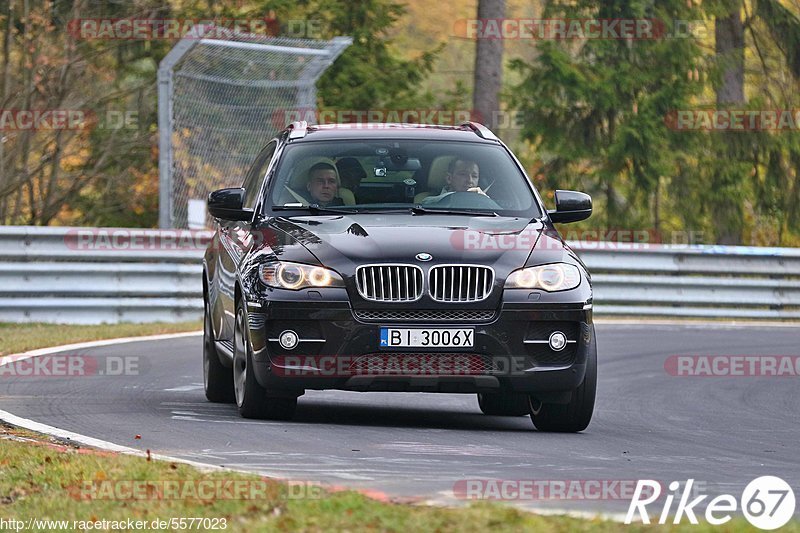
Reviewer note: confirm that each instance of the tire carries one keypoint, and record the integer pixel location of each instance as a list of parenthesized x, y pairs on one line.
[(503, 404), (252, 399), (575, 415), (217, 378)]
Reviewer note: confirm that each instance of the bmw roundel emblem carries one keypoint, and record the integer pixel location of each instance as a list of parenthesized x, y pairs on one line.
[(424, 256)]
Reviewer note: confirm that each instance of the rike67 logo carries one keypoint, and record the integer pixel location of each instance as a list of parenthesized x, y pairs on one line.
[(767, 502)]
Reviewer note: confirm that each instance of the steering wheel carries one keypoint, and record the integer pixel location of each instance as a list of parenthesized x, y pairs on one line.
[(467, 200)]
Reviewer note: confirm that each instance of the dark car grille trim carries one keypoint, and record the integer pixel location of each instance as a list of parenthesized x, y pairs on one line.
[(460, 283), (425, 315), (393, 363), (389, 282)]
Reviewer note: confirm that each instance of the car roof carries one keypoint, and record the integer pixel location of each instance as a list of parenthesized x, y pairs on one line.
[(470, 132)]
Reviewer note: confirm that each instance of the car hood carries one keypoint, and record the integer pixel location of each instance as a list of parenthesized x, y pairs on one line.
[(343, 242)]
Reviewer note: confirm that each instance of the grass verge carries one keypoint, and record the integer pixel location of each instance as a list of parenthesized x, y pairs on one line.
[(42, 479), (16, 338)]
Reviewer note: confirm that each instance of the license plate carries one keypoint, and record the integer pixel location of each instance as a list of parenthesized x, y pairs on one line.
[(427, 338)]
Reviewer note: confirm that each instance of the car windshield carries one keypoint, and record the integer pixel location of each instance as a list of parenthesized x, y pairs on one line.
[(387, 175)]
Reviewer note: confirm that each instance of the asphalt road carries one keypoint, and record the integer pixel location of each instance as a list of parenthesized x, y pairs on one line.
[(722, 432)]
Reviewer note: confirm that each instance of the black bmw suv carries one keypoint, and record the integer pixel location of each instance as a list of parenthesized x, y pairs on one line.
[(397, 257)]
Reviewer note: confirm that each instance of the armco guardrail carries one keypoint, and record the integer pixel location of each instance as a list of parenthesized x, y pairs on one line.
[(88, 275), (693, 281), (95, 275)]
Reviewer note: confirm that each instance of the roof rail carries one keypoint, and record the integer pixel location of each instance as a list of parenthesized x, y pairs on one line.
[(298, 130), (482, 131)]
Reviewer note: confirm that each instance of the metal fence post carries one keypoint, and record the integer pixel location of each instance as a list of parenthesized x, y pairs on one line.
[(165, 126), (164, 148)]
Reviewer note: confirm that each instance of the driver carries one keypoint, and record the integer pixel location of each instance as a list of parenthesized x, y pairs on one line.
[(462, 176), (323, 185)]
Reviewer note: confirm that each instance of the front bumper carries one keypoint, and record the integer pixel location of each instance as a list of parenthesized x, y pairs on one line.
[(339, 349)]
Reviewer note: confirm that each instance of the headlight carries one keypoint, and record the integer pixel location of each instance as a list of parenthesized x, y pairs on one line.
[(294, 276), (551, 278)]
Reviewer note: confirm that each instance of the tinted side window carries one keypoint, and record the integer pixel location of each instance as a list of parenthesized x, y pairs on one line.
[(255, 176)]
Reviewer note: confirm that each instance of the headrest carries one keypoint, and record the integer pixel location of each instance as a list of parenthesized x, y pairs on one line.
[(350, 166), (438, 173)]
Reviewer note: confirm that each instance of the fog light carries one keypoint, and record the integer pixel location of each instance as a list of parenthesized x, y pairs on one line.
[(288, 339), (558, 341)]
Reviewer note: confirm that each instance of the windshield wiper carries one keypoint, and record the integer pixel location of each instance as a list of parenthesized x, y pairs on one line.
[(419, 210), (314, 208), (416, 210)]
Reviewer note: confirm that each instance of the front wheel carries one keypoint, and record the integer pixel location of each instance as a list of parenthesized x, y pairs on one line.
[(251, 398), (217, 379), (575, 415)]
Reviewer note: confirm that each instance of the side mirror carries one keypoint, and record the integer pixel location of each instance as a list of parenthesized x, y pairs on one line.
[(226, 204), (571, 206)]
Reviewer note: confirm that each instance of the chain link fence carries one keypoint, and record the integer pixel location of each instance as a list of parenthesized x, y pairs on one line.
[(222, 95)]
